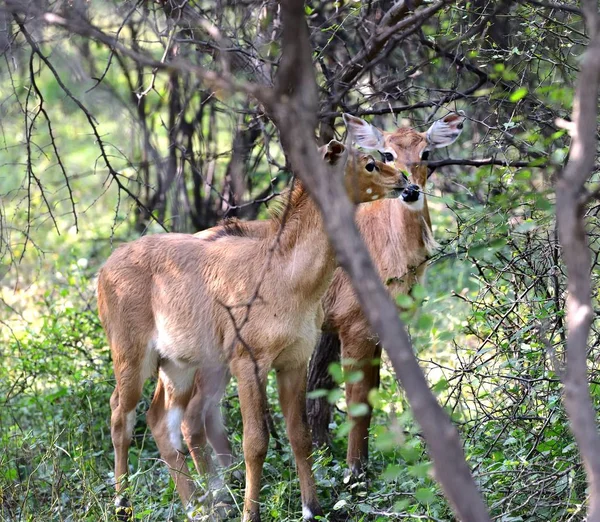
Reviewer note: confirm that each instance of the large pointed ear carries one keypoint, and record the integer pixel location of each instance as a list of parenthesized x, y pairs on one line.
[(333, 152), (446, 131), (363, 133)]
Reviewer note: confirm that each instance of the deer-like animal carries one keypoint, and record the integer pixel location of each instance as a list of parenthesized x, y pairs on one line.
[(225, 302), (399, 237)]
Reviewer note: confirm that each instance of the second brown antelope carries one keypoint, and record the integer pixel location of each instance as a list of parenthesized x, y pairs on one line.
[(227, 301), (399, 237)]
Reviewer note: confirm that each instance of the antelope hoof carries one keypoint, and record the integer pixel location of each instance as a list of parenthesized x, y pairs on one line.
[(235, 478), (224, 506), (310, 512), (199, 508), (355, 479), (253, 516), (123, 509), (213, 507), (226, 512), (356, 469)]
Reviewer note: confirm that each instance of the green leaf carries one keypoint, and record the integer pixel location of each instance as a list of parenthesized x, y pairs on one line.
[(404, 301), (375, 398), (335, 370), (358, 409), (387, 441), (519, 94), (425, 322), (440, 386), (526, 226), (317, 394), (445, 336), (365, 508), (418, 292), (497, 243), (11, 474), (477, 249), (542, 203), (334, 395), (537, 162), (354, 377), (344, 429), (425, 495), (392, 472), (401, 505), (420, 470), (410, 454)]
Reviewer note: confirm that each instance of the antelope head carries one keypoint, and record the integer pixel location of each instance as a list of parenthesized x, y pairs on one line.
[(366, 179), (407, 149)]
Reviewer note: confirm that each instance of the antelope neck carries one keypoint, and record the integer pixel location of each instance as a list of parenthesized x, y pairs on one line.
[(303, 246)]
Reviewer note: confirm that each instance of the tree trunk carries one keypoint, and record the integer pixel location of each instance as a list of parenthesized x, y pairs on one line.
[(319, 378), (571, 200)]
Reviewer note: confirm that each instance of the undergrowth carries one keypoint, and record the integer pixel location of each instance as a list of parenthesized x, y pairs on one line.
[(56, 455), (477, 340)]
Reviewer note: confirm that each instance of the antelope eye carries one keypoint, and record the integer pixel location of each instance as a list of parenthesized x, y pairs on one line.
[(425, 155), (460, 126), (387, 156), (370, 166)]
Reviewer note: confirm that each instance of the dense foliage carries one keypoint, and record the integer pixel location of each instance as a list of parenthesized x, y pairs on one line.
[(96, 149)]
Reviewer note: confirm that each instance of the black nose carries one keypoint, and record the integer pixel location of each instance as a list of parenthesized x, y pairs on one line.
[(411, 193), (460, 126)]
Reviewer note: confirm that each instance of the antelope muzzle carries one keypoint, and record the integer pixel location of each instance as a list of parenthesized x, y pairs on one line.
[(411, 193)]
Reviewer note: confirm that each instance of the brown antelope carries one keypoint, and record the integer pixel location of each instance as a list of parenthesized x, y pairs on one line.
[(399, 237), (227, 302)]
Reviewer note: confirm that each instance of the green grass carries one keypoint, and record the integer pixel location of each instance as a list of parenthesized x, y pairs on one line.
[(56, 456)]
